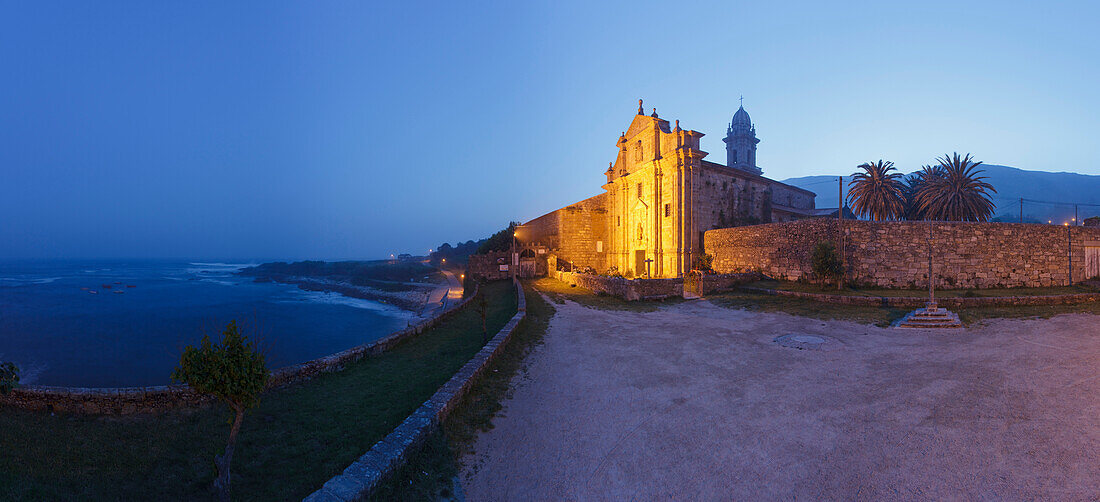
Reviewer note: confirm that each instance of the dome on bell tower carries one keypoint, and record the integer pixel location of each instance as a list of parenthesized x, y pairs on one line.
[(741, 143), (741, 120)]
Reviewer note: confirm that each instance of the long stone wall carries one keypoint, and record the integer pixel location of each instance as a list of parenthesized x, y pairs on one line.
[(362, 477), (895, 254), (129, 400)]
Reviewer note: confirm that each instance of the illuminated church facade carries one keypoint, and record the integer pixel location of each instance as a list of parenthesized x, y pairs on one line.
[(660, 196)]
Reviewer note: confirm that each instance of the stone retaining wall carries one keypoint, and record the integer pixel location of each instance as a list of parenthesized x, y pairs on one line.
[(628, 289), (920, 301), (364, 475), (706, 284), (895, 254), (128, 400)]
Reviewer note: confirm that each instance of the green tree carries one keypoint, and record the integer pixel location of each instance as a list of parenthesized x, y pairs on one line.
[(500, 241), (9, 377), (235, 372), (957, 193), (825, 262), (877, 192)]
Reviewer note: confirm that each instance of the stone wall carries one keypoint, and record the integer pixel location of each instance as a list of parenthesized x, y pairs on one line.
[(129, 400), (362, 477), (487, 266), (895, 254), (574, 233), (628, 289)]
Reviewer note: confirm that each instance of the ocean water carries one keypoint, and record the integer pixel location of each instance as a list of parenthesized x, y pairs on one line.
[(132, 329)]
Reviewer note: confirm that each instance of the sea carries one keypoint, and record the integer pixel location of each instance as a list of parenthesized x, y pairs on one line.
[(125, 323)]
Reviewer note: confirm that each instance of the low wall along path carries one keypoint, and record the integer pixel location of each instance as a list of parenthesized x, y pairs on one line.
[(364, 475)]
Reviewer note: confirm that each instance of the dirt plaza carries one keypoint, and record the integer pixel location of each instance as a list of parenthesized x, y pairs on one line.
[(699, 402)]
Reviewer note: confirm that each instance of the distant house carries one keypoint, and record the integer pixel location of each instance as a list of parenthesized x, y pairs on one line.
[(405, 257), (1092, 222)]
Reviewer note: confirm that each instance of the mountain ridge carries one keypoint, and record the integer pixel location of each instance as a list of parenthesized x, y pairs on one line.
[(1048, 195)]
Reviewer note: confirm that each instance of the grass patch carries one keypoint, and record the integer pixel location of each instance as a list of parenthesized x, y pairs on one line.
[(973, 315), (759, 302), (430, 473), (559, 291), (294, 441), (918, 293), (884, 316)]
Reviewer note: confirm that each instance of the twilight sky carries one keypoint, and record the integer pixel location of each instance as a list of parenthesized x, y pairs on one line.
[(352, 130)]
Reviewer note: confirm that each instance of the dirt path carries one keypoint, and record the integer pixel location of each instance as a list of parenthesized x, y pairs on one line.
[(697, 402)]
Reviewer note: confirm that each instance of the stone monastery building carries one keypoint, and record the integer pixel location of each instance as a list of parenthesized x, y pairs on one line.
[(661, 196)]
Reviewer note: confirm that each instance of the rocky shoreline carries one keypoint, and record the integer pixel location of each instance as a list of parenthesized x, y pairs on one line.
[(412, 300)]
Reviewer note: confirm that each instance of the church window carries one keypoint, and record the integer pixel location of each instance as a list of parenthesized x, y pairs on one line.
[(641, 232), (639, 190), (668, 210), (638, 151), (618, 221), (735, 156)]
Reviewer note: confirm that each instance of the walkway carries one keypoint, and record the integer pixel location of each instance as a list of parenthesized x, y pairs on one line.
[(452, 291), (697, 402)]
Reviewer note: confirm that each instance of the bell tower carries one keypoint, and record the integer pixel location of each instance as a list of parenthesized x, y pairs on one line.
[(741, 142)]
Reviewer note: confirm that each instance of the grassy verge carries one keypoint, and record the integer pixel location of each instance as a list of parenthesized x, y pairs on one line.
[(292, 443), (942, 293), (430, 474), (882, 316), (559, 291), (758, 302)]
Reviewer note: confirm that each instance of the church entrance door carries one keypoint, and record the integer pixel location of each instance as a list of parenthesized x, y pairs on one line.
[(639, 263)]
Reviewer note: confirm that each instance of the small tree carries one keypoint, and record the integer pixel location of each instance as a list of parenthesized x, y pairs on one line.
[(234, 371), (826, 262), (9, 377), (482, 308), (703, 262)]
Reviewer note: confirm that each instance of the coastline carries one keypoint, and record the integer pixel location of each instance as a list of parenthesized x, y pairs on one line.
[(412, 300)]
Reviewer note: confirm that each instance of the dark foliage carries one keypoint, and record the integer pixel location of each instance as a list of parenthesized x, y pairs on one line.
[(877, 192)]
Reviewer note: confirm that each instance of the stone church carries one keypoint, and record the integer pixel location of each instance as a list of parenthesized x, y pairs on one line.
[(661, 195)]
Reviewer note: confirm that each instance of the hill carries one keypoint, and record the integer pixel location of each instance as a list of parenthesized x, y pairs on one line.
[(1058, 191)]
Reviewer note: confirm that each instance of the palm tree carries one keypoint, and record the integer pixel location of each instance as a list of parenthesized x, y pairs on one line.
[(957, 193), (877, 192), (913, 184)]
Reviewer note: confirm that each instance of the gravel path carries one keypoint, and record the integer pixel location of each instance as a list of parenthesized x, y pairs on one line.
[(697, 402)]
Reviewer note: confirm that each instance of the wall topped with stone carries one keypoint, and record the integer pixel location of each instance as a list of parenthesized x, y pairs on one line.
[(895, 254), (628, 289), (128, 400)]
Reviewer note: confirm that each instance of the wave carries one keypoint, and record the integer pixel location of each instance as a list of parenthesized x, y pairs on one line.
[(20, 281), (215, 281), (347, 301)]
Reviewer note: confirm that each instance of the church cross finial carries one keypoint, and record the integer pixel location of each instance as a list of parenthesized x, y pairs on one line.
[(742, 101), (640, 110)]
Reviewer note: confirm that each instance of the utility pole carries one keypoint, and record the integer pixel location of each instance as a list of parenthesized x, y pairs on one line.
[(840, 229), (1075, 220), (1069, 252)]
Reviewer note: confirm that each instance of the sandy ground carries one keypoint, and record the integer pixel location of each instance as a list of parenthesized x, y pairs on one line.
[(697, 402)]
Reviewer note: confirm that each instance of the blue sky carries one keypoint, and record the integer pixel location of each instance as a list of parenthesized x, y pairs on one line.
[(353, 130)]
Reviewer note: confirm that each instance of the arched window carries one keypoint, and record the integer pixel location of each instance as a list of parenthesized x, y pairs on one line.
[(641, 232), (638, 151), (735, 156)]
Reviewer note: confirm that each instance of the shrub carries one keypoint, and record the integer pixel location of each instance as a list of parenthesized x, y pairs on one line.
[(826, 262), (9, 377), (235, 372), (702, 262)]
